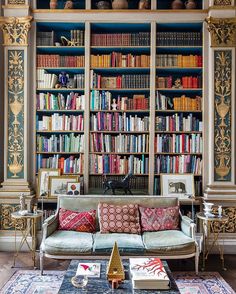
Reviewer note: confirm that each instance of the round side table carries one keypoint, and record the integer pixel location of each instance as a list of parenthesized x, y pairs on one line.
[(211, 236), (27, 230)]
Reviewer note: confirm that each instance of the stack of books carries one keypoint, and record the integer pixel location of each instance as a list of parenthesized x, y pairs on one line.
[(148, 273)]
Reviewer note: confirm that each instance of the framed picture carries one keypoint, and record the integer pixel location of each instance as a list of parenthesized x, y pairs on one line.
[(58, 185), (43, 180), (178, 185), (73, 189)]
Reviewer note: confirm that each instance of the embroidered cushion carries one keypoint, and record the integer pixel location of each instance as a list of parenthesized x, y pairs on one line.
[(159, 219), (119, 219), (77, 221)]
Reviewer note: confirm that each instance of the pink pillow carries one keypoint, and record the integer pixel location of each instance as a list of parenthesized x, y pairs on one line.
[(119, 219), (70, 220), (159, 219)]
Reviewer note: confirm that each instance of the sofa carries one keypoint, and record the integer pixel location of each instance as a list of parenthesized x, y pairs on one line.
[(166, 244)]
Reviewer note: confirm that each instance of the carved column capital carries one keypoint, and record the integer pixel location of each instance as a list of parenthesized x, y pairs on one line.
[(223, 31), (16, 2), (223, 2), (15, 30)]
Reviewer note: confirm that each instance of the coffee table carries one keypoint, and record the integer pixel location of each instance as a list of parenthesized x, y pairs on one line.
[(102, 286)]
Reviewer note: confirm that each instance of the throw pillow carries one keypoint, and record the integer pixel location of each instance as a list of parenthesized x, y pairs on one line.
[(70, 220), (159, 219), (119, 219)]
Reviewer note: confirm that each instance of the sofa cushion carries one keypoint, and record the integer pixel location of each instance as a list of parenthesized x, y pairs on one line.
[(68, 243), (103, 243), (119, 219), (168, 243), (159, 219), (77, 221)]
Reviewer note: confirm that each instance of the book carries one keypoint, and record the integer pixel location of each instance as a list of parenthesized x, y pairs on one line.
[(148, 273), (92, 270)]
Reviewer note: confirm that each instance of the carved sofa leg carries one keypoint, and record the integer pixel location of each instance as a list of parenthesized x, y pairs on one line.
[(196, 260), (41, 255)]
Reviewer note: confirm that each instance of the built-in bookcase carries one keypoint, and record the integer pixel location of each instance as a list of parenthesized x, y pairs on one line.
[(122, 109), (60, 99), (179, 102), (119, 103)]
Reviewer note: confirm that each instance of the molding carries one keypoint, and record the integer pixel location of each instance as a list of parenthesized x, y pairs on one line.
[(223, 31), (15, 30), (18, 6)]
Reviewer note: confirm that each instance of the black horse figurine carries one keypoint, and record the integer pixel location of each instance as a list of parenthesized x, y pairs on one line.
[(115, 184)]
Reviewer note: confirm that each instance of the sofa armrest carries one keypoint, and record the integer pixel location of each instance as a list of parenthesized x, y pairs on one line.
[(188, 227), (49, 226)]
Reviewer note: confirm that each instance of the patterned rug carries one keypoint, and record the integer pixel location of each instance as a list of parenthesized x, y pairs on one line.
[(30, 282)]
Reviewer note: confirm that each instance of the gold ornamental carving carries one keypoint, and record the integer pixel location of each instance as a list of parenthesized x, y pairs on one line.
[(230, 226), (15, 30), (223, 31), (222, 114), (15, 114), (6, 220), (222, 2), (16, 2)]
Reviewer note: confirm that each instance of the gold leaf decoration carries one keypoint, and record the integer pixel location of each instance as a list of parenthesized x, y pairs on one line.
[(223, 31), (222, 2), (6, 221), (15, 30)]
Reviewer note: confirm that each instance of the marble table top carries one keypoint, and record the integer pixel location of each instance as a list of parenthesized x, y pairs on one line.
[(102, 286)]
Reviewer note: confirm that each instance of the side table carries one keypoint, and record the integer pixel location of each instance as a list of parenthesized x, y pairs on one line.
[(211, 236), (26, 231)]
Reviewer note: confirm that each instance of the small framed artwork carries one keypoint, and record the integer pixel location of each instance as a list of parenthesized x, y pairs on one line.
[(58, 185), (73, 189), (178, 185), (43, 180)]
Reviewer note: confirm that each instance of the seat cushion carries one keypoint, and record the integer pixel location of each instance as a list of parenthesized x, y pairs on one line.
[(170, 242), (69, 243), (127, 243)]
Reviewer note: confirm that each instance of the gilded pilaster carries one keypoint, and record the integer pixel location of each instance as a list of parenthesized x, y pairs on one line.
[(223, 2), (15, 39)]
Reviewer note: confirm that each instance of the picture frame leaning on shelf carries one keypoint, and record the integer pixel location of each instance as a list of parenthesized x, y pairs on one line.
[(177, 185), (58, 184), (43, 180)]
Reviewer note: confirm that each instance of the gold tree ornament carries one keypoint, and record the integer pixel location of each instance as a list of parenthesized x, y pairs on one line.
[(115, 269)]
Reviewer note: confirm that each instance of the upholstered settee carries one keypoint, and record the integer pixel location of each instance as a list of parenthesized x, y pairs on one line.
[(166, 244)]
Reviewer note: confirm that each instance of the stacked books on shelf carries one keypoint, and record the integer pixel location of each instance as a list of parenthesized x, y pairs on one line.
[(178, 60), (55, 60), (179, 39), (148, 273)]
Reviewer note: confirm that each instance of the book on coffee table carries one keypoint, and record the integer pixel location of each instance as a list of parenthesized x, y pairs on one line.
[(92, 270), (148, 273)]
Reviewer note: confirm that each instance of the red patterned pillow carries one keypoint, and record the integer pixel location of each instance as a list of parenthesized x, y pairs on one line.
[(119, 219), (70, 220), (159, 219)]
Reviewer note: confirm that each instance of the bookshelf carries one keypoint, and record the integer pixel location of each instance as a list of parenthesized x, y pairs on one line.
[(60, 98), (179, 102), (119, 103), (133, 101)]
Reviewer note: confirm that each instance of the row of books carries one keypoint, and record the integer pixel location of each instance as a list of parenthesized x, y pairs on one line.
[(71, 164), (178, 122), (60, 143), (117, 59), (77, 36), (48, 212), (178, 60), (182, 143), (178, 164), (46, 80), (121, 81), (197, 187), (56, 60), (183, 102), (179, 39), (185, 82), (45, 38), (58, 122), (118, 122), (119, 143), (118, 164), (103, 100), (121, 39), (50, 101)]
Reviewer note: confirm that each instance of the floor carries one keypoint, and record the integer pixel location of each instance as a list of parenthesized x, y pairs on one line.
[(24, 261)]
